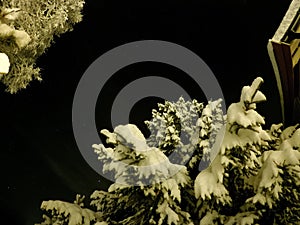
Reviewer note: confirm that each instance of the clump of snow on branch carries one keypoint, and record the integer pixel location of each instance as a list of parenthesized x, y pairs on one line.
[(132, 161), (60, 212), (7, 16), (4, 64)]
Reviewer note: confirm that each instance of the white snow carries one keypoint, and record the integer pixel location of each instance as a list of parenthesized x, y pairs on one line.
[(4, 63)]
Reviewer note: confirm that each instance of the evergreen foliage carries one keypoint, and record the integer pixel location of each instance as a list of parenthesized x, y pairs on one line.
[(252, 175), (27, 29)]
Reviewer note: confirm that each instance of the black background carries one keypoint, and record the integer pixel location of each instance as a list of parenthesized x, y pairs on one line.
[(39, 156)]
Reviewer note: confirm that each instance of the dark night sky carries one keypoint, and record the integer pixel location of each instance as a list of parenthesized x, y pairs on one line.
[(40, 158)]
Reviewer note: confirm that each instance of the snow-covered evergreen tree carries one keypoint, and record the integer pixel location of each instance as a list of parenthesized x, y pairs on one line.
[(186, 131), (249, 180), (146, 174), (221, 188), (253, 176), (277, 184)]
